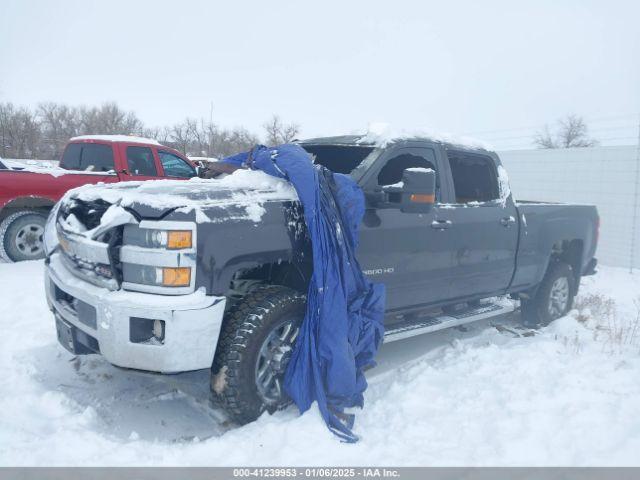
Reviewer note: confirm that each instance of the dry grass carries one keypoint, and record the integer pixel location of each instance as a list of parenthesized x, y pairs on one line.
[(615, 330)]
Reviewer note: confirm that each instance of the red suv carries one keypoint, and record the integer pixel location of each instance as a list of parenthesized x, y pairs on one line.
[(27, 195)]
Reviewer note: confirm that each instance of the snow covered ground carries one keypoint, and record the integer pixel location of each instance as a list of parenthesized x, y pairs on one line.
[(488, 394)]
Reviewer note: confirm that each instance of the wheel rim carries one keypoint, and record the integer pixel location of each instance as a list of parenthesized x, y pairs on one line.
[(559, 297), (273, 358), (29, 240)]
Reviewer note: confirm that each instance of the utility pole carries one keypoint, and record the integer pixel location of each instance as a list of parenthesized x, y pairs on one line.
[(210, 146), (636, 200)]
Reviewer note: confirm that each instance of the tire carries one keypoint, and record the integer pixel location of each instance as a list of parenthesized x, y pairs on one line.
[(554, 297), (21, 236), (247, 341)]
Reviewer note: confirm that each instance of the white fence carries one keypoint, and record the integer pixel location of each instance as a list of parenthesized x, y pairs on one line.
[(607, 177)]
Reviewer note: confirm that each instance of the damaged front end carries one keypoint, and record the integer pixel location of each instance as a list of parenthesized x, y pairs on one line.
[(110, 247), (124, 287), (91, 255)]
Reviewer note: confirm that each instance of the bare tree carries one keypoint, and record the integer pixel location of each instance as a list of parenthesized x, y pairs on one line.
[(180, 137), (19, 132), (44, 132), (572, 132), (161, 134), (108, 119), (278, 132), (200, 138), (58, 123)]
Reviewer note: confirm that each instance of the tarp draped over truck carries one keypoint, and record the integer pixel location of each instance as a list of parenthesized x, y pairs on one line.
[(343, 324)]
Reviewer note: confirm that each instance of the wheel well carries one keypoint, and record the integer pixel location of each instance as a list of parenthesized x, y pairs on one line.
[(287, 274), (569, 252), (26, 203)]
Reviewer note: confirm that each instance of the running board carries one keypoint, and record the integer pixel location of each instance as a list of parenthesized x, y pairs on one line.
[(411, 328)]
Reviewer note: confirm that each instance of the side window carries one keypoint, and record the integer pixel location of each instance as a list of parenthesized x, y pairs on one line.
[(391, 173), (141, 162), (174, 166), (474, 177), (88, 157), (71, 157), (96, 157)]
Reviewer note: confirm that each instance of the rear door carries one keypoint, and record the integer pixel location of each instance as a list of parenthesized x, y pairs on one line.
[(404, 250), (483, 223)]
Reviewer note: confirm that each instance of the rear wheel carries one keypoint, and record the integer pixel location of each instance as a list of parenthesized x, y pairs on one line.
[(21, 236), (254, 350), (554, 297)]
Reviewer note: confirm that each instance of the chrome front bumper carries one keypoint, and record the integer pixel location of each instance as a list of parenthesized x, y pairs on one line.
[(192, 322)]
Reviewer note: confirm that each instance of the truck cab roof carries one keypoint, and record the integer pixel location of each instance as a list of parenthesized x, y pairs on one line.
[(115, 139), (388, 137)]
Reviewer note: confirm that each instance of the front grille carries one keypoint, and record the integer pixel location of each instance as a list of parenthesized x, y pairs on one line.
[(95, 273), (93, 260)]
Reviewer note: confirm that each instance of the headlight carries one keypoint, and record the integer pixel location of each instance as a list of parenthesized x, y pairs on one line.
[(159, 257), (171, 239), (158, 238), (157, 276), (50, 238)]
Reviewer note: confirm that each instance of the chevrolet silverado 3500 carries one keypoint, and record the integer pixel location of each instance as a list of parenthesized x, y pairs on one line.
[(211, 274)]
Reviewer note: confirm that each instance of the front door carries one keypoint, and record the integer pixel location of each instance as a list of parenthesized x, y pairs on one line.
[(140, 163), (404, 250)]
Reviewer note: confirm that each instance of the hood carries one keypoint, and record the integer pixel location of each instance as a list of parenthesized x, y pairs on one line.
[(244, 190)]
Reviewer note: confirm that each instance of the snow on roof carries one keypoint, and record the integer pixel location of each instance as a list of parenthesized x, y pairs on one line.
[(117, 138), (382, 133)]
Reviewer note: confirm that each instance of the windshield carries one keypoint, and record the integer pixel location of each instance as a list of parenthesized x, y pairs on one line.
[(347, 159)]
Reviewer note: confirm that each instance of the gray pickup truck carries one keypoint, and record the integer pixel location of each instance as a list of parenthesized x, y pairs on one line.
[(171, 276)]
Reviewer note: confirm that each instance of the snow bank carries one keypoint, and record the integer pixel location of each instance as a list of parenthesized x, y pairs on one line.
[(383, 133), (488, 395)]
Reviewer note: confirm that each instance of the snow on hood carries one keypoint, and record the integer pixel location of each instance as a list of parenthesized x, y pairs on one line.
[(248, 189), (381, 134)]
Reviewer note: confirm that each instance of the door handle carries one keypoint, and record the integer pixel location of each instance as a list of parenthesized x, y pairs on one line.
[(441, 224), (507, 221)]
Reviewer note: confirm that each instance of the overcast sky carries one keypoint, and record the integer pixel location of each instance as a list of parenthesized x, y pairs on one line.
[(494, 69)]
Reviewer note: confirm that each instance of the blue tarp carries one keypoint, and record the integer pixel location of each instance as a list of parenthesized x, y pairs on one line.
[(343, 324)]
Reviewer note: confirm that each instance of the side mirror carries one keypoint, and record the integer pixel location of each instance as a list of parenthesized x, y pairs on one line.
[(418, 190)]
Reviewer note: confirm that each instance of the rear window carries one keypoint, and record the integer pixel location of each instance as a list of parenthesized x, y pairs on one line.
[(88, 157), (338, 158), (474, 177)]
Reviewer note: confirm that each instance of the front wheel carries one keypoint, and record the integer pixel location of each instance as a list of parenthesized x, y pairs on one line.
[(254, 350), (554, 297)]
